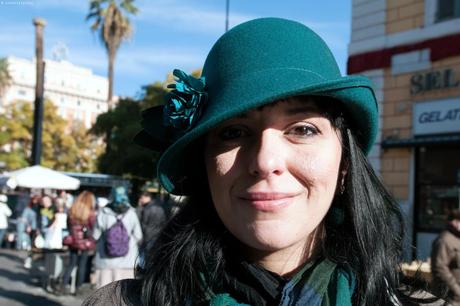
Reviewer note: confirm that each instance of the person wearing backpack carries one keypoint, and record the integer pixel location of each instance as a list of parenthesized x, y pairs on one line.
[(80, 222), (118, 234)]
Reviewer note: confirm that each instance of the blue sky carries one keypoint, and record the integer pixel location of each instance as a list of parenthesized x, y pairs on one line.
[(168, 34)]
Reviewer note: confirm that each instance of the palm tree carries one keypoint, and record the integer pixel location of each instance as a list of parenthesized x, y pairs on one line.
[(112, 24), (5, 77)]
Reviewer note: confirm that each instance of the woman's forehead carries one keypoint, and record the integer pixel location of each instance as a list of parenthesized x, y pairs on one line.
[(289, 106)]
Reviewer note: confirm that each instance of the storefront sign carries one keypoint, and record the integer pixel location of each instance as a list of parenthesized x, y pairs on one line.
[(437, 117), (432, 80)]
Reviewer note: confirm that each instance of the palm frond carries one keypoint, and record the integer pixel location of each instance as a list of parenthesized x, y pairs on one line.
[(96, 24), (129, 7), (112, 25), (93, 15)]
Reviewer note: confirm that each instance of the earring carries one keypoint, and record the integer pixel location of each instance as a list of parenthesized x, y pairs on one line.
[(342, 182), (342, 188)]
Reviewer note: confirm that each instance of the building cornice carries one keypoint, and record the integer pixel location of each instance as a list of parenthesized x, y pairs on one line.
[(440, 48), (428, 32)]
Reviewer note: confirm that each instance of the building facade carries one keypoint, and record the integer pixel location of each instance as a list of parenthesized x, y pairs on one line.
[(411, 51), (76, 91)]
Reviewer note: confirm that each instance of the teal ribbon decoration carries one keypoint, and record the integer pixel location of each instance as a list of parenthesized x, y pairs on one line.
[(185, 103)]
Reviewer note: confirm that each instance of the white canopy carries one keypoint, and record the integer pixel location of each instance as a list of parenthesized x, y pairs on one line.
[(41, 177)]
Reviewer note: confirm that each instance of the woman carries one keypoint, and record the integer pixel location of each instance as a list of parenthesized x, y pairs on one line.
[(27, 224), (444, 259), (80, 223), (118, 234), (5, 212), (45, 214), (26, 228), (284, 208)]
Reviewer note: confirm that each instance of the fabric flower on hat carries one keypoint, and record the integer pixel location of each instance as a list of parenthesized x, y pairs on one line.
[(185, 102)]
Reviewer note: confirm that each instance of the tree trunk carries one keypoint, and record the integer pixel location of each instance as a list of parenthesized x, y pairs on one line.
[(110, 74)]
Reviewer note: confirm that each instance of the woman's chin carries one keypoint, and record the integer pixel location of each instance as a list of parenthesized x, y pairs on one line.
[(270, 242)]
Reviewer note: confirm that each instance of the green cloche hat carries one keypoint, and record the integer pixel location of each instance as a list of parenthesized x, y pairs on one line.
[(255, 63)]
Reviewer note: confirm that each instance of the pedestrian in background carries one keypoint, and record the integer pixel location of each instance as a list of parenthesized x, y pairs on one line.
[(66, 198), (46, 213), (26, 225), (118, 234), (5, 212), (152, 215), (80, 223), (27, 228), (445, 260), (60, 215)]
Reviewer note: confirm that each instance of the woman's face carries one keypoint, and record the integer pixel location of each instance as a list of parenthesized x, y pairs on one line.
[(273, 173), (46, 202)]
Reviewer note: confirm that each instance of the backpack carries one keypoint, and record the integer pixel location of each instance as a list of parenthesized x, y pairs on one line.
[(117, 239)]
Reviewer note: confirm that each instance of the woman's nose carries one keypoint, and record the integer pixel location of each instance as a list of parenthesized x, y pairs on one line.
[(268, 155)]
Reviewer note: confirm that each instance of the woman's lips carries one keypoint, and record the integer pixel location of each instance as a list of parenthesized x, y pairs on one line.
[(268, 201)]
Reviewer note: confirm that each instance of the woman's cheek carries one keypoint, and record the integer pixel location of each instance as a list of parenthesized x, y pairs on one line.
[(316, 169), (224, 162), (221, 165)]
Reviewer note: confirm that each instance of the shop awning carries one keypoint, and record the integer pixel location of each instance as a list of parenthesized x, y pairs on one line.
[(421, 141)]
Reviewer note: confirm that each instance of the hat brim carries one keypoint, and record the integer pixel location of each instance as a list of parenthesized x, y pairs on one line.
[(262, 88)]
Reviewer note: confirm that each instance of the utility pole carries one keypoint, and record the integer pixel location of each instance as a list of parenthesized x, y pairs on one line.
[(226, 15), (39, 88)]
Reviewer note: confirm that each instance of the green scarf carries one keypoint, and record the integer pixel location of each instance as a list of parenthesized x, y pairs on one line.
[(320, 283)]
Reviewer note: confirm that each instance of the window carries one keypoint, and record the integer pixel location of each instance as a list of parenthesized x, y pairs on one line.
[(447, 9), (437, 186)]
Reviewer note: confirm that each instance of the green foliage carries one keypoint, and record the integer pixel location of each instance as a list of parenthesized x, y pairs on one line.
[(63, 148), (153, 95), (5, 77), (119, 126)]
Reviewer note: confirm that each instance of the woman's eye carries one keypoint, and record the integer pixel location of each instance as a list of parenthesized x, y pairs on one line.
[(232, 132), (303, 130)]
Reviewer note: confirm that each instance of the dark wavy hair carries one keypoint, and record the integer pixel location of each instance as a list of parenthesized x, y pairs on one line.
[(369, 240)]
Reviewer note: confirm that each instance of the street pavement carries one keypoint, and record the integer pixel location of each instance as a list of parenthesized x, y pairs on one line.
[(19, 286)]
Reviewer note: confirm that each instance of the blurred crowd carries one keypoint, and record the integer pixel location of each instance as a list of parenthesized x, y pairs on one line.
[(82, 239)]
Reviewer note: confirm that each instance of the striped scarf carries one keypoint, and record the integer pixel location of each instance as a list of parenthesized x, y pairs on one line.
[(319, 283)]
